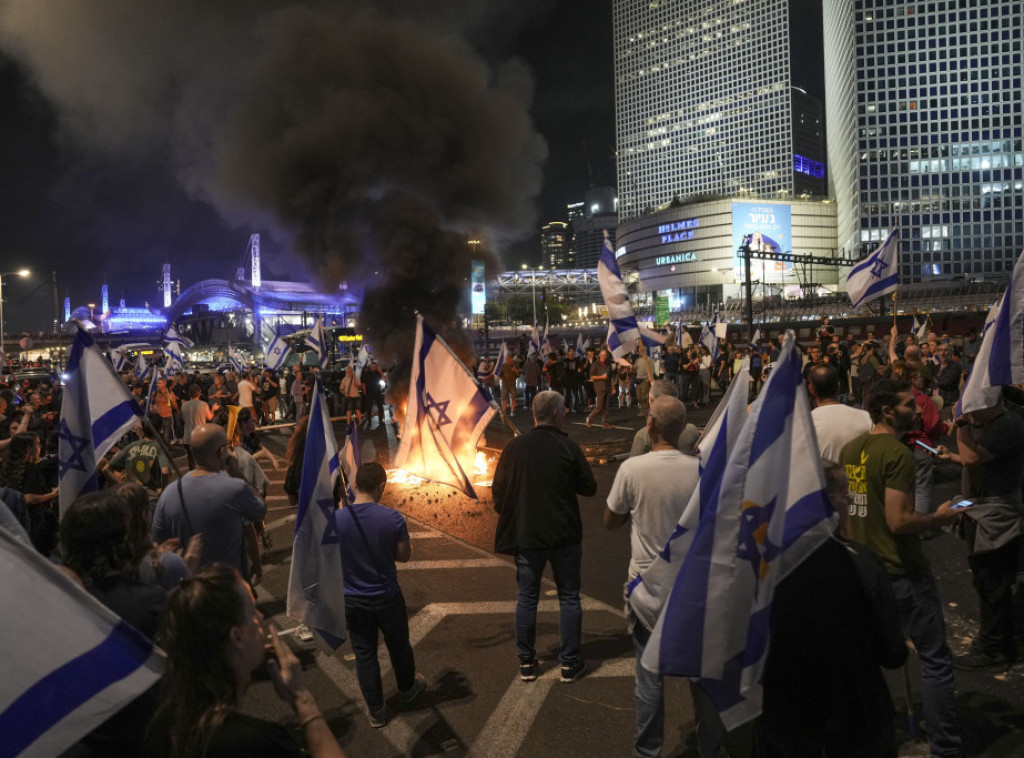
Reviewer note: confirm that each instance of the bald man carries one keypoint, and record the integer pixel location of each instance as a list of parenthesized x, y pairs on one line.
[(209, 502)]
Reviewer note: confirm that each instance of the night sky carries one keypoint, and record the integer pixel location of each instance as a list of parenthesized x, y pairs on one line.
[(85, 196)]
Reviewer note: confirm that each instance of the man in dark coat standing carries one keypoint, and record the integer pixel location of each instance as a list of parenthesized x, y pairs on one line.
[(536, 483)]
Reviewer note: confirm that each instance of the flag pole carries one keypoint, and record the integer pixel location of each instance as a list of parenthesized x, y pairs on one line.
[(894, 307)]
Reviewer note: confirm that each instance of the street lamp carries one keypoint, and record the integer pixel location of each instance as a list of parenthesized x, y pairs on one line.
[(22, 273), (533, 283)]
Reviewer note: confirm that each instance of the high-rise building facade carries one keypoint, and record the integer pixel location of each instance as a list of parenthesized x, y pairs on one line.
[(924, 110), (555, 245), (704, 102)]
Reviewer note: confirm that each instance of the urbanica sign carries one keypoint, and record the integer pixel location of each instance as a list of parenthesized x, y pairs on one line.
[(665, 260)]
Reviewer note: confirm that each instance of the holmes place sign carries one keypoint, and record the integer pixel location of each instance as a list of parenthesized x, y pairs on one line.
[(678, 231), (664, 260)]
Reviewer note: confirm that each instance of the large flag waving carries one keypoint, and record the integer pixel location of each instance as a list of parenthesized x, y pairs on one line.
[(770, 513), (649, 590), (172, 337), (446, 414), (316, 589), (118, 360), (96, 411), (71, 664), (1001, 355), (921, 329), (141, 369), (277, 353), (581, 346), (709, 338), (616, 298), (318, 342), (876, 275), (351, 459)]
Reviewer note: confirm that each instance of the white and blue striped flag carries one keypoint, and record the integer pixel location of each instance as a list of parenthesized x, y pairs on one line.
[(118, 360), (581, 346), (534, 341), (616, 298), (318, 342), (362, 359), (172, 337), (615, 346), (152, 389), (237, 361), (770, 513), (755, 340), (72, 663), (709, 337), (97, 409), (316, 587), (141, 370), (546, 346), (502, 355), (921, 329), (351, 459), (446, 414), (648, 591), (876, 275), (174, 362), (1001, 355), (277, 353)]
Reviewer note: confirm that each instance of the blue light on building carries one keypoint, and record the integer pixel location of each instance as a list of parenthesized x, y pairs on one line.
[(807, 166)]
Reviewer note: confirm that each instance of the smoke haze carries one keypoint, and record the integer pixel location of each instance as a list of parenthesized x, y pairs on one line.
[(371, 135)]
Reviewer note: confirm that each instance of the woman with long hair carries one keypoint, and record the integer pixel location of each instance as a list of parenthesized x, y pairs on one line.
[(214, 640)]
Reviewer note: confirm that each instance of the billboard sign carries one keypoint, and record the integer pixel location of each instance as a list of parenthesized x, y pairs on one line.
[(478, 297), (766, 227)]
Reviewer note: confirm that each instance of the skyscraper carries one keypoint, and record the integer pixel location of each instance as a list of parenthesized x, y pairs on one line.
[(705, 103), (924, 129), (555, 244), (588, 229)]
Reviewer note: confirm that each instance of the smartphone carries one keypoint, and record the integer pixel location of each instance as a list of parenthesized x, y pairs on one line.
[(964, 503), (929, 448)]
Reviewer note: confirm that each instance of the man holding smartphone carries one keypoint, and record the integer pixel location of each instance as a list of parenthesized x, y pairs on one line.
[(991, 449), (880, 469)]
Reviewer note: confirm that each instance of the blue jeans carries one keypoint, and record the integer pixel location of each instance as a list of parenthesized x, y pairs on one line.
[(650, 701), (565, 564), (364, 617), (921, 618)]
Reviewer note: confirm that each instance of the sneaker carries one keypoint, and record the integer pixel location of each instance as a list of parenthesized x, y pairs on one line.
[(420, 684), (570, 673), (981, 661), (528, 670), (379, 717)]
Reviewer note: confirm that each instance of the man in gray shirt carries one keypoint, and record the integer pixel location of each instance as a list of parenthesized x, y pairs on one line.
[(687, 438), (209, 502), (194, 413)]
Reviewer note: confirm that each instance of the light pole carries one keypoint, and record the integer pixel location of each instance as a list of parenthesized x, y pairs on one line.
[(533, 287), (22, 273)]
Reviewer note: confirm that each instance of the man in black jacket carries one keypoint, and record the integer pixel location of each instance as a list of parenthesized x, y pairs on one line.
[(536, 483)]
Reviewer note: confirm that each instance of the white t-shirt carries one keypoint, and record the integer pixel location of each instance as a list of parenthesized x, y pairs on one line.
[(836, 424), (245, 389), (653, 489)]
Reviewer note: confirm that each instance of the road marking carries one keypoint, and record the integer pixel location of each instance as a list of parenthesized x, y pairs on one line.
[(452, 564), (280, 522), (276, 498)]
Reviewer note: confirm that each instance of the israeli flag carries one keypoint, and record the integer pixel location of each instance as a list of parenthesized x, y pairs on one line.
[(96, 411), (921, 329), (316, 587), (362, 360), (1001, 355), (277, 353), (771, 511), (502, 356), (72, 663), (172, 337), (152, 389), (547, 343), (172, 351), (318, 342), (118, 360), (351, 460), (755, 340), (141, 368), (534, 341), (876, 275), (649, 590), (446, 414), (709, 338), (581, 346), (616, 298), (615, 346), (237, 361)]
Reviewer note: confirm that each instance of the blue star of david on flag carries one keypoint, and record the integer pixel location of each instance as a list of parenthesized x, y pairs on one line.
[(878, 265), (78, 445), (441, 408), (877, 274)]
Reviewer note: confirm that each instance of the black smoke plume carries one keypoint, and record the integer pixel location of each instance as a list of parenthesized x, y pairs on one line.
[(371, 135)]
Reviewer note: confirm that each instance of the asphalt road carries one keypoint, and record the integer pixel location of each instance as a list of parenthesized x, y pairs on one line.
[(461, 600)]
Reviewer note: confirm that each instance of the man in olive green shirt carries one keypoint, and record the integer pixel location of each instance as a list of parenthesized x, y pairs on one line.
[(880, 470)]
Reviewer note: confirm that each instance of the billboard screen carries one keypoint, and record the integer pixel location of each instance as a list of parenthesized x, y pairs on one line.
[(764, 226), (478, 297)]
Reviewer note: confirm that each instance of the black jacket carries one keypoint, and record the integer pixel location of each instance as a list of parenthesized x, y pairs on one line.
[(537, 479)]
